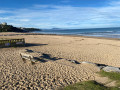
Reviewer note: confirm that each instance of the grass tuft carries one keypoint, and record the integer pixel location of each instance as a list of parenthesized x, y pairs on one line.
[(88, 85), (93, 85), (111, 75)]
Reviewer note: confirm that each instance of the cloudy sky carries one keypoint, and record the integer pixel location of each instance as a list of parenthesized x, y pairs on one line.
[(61, 13)]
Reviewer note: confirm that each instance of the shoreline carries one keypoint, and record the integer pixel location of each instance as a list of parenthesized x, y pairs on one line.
[(18, 33)]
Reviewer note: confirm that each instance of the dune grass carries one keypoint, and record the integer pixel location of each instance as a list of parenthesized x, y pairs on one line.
[(88, 85), (93, 85), (111, 75)]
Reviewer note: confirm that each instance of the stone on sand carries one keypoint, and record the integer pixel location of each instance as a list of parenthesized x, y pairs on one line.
[(111, 69)]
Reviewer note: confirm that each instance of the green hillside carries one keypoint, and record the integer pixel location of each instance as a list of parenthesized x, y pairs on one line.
[(10, 28)]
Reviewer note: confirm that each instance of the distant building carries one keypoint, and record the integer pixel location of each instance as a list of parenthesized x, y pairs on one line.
[(21, 28), (4, 23)]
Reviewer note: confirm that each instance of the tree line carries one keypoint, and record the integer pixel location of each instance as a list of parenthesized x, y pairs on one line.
[(10, 28)]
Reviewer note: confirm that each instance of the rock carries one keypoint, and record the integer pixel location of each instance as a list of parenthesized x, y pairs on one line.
[(111, 69), (73, 61), (100, 66), (104, 67), (85, 62)]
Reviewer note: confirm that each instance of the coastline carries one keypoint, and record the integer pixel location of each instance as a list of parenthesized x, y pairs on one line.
[(19, 33), (55, 73)]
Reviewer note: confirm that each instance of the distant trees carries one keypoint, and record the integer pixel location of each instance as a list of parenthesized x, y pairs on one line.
[(10, 28), (31, 29)]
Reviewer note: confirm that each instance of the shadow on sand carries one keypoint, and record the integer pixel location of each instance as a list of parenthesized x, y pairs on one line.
[(48, 56), (33, 44), (26, 45)]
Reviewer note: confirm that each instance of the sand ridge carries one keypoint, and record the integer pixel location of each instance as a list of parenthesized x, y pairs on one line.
[(54, 74)]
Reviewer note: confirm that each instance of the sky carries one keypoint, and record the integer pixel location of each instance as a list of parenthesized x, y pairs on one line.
[(61, 13)]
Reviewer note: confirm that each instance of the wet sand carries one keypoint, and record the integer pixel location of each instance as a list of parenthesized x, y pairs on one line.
[(15, 74)]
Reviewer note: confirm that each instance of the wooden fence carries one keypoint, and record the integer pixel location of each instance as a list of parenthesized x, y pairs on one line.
[(12, 42)]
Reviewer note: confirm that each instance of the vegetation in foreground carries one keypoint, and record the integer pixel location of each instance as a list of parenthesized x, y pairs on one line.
[(93, 85), (112, 75), (88, 85)]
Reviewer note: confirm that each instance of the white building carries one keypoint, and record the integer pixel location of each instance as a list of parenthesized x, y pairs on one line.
[(4, 23)]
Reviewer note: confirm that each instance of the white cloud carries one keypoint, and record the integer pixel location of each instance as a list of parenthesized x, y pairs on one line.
[(24, 20), (3, 11), (4, 18), (48, 16), (42, 6), (114, 2)]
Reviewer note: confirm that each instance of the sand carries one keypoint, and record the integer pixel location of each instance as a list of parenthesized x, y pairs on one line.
[(50, 75)]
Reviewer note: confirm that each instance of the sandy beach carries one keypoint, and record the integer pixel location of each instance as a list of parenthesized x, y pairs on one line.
[(50, 75)]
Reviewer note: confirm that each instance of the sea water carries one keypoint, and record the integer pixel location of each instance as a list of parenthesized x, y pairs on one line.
[(96, 32)]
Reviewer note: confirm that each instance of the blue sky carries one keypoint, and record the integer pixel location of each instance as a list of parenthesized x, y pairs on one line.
[(61, 13)]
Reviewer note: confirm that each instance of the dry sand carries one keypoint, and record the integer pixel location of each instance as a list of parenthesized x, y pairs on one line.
[(15, 74)]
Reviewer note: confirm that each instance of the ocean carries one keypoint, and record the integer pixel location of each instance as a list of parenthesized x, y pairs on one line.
[(96, 32)]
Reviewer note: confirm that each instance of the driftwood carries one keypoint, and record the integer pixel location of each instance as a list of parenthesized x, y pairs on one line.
[(28, 57)]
